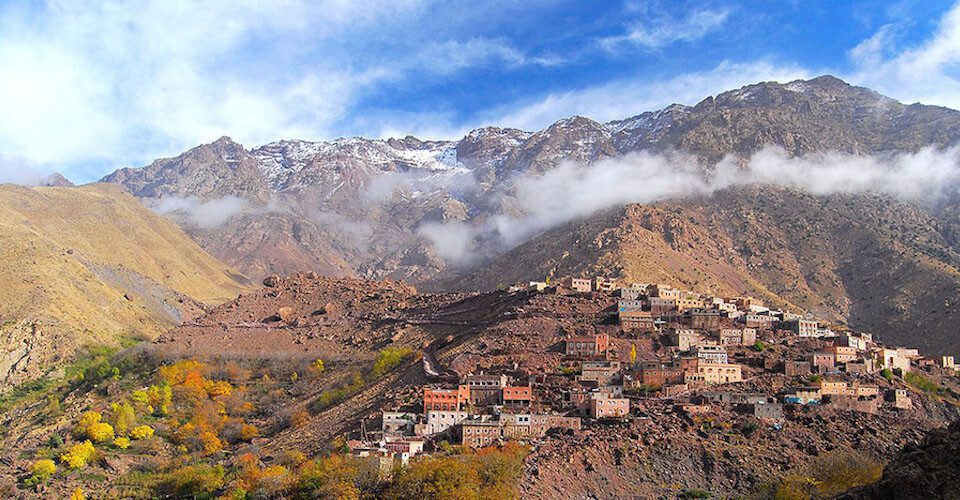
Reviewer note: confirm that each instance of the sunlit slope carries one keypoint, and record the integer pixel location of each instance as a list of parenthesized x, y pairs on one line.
[(91, 264)]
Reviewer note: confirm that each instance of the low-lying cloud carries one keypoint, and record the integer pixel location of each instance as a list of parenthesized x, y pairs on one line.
[(573, 191), (205, 214)]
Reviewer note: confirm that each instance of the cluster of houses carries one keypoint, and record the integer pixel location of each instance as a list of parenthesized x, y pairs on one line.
[(714, 344)]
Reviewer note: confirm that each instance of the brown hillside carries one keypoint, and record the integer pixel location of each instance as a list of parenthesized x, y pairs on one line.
[(876, 264), (91, 264)]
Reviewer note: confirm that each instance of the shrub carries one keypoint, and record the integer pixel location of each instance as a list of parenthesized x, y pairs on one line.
[(40, 472), (78, 494), (318, 366), (248, 432), (122, 443), (141, 432), (299, 418), (759, 346), (100, 432), (830, 475), (693, 494), (86, 421), (886, 373), (122, 417), (191, 481), (749, 427), (79, 455), (388, 359)]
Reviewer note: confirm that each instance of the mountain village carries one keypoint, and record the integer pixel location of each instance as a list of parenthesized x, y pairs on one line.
[(714, 357)]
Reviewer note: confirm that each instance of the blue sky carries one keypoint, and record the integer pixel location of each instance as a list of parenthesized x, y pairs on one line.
[(87, 87)]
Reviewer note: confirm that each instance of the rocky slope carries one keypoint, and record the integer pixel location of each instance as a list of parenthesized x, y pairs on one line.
[(91, 265)]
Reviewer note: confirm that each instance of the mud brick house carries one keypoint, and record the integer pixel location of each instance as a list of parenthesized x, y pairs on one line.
[(766, 410), (948, 362), (486, 389), (705, 319), (730, 397), (624, 305), (802, 395), (843, 388), (663, 292), (753, 320), (599, 373), (632, 294), (659, 374), (518, 397), (575, 284), (445, 399), (603, 406), (411, 447), (637, 321), (822, 361), (852, 403), (541, 424), (720, 373), (896, 359), (596, 345), (859, 342), (796, 368), (900, 399), (438, 421), (708, 353), (480, 432), (691, 409), (603, 284), (745, 303), (537, 286), (843, 354), (801, 327), (671, 391), (737, 336), (689, 301), (660, 306), (684, 338), (398, 423)]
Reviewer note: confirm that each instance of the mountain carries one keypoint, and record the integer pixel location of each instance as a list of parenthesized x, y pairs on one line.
[(432, 212), (91, 265)]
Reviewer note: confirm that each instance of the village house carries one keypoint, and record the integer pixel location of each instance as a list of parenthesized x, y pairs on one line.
[(398, 423), (720, 373), (692, 409), (632, 294), (801, 327), (948, 363), (486, 389), (575, 284), (689, 301), (704, 319), (896, 359), (684, 338), (663, 292), (624, 305), (738, 336), (596, 345), (438, 421), (660, 306), (859, 342), (445, 399), (537, 286), (851, 389), (843, 354), (604, 284), (709, 353), (517, 397), (655, 374), (598, 373), (822, 361), (480, 431), (802, 395), (730, 397), (796, 368), (900, 399), (766, 410), (637, 321), (603, 406)]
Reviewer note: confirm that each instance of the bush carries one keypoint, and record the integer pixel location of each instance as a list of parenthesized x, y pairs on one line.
[(886, 373), (141, 432), (40, 472), (79, 455), (389, 359), (299, 418), (122, 443), (318, 366), (693, 494), (100, 432), (759, 346), (248, 432), (122, 417), (830, 475), (749, 427), (191, 481)]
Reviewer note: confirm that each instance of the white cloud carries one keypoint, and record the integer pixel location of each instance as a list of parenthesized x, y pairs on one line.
[(927, 73), (628, 97), (206, 214), (660, 30)]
